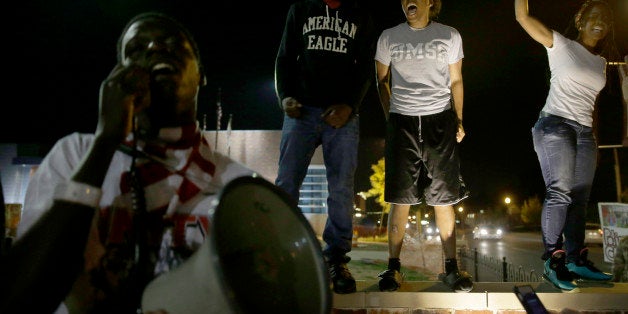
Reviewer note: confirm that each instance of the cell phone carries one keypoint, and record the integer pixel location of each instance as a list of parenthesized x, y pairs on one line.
[(529, 299)]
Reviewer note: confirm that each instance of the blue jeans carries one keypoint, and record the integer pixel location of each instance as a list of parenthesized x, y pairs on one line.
[(300, 138), (567, 153)]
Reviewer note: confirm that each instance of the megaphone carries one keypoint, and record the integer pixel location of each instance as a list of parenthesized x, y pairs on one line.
[(261, 256)]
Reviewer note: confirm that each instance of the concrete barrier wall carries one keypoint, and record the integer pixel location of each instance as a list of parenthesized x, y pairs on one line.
[(258, 149)]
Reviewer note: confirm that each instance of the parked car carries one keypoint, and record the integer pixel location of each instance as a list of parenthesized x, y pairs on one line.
[(488, 231), (430, 232), (593, 234)]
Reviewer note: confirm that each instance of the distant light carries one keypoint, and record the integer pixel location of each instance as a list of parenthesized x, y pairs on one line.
[(431, 230), (26, 160)]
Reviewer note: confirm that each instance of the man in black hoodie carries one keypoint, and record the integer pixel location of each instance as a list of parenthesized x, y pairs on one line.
[(323, 70)]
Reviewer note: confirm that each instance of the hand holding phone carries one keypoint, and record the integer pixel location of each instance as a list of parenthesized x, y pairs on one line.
[(529, 299)]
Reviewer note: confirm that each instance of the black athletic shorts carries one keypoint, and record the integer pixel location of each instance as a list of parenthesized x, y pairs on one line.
[(422, 161)]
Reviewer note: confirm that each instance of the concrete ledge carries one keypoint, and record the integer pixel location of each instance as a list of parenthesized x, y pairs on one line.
[(413, 297)]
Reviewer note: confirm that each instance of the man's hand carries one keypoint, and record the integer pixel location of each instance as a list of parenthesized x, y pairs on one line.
[(292, 107), (123, 93), (460, 134), (337, 115)]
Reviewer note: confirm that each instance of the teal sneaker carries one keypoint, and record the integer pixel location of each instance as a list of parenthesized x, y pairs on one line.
[(583, 269), (557, 273)]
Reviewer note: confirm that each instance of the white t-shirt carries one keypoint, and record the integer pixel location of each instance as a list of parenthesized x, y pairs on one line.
[(64, 157), (190, 215), (577, 78), (419, 62)]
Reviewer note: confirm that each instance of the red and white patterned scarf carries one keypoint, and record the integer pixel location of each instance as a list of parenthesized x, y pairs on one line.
[(172, 173)]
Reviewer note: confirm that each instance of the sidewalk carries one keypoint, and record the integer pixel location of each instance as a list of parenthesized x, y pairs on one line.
[(486, 297), (430, 295)]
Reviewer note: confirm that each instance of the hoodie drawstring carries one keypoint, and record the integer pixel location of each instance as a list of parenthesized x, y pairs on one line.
[(336, 25)]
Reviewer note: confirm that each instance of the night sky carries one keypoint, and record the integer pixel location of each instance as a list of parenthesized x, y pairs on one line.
[(59, 52)]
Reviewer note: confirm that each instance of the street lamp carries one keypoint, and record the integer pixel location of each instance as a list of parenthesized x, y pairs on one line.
[(460, 210), (507, 200)]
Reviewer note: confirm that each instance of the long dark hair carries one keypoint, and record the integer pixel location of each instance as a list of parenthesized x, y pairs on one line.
[(606, 47)]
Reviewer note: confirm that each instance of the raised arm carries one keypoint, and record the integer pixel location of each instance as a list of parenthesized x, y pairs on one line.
[(44, 263), (537, 30)]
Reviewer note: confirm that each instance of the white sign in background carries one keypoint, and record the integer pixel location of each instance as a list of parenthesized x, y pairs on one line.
[(614, 223)]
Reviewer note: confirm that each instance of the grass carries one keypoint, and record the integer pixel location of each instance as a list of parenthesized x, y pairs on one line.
[(369, 269)]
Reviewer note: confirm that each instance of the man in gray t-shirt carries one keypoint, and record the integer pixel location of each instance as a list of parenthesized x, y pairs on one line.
[(419, 76)]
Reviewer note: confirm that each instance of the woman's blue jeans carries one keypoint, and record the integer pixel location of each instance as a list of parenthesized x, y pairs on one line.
[(300, 138), (567, 153)]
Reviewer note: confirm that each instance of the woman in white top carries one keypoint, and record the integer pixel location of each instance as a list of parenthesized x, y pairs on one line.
[(563, 136)]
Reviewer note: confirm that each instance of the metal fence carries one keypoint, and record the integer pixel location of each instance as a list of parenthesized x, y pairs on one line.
[(488, 268)]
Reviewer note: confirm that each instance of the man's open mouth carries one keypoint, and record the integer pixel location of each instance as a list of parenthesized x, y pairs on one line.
[(412, 9), (162, 68)]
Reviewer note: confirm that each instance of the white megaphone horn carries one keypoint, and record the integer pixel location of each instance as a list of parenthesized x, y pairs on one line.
[(262, 256)]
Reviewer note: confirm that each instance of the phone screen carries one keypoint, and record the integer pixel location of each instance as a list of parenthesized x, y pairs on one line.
[(529, 299)]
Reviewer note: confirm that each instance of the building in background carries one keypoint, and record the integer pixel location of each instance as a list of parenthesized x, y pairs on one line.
[(256, 149), (17, 163)]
